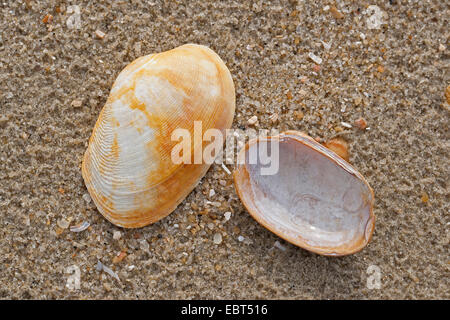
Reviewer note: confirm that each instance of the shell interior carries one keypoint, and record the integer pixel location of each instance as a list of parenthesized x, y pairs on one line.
[(316, 200)]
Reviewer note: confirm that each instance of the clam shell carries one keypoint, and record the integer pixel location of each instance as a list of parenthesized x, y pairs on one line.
[(316, 200), (127, 167)]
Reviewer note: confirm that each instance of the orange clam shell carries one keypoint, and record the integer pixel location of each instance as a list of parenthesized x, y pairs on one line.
[(127, 168)]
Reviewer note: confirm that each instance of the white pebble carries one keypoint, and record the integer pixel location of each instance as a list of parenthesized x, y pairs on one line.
[(217, 239), (241, 238), (100, 34), (252, 120), (279, 246), (117, 235), (86, 197), (315, 58), (144, 245), (346, 124), (227, 215), (63, 223), (211, 192), (377, 17)]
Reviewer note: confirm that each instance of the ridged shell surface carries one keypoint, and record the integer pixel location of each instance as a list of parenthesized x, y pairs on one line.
[(316, 200), (127, 167)]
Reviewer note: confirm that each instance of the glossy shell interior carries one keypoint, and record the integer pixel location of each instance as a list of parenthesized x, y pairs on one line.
[(316, 200), (127, 167)]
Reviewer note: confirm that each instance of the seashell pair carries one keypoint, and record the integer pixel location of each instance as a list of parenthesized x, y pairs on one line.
[(316, 200)]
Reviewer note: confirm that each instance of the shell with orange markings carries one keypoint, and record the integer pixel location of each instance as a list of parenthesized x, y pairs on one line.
[(315, 200), (127, 167)]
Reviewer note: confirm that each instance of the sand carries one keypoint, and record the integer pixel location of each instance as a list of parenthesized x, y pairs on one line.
[(55, 79)]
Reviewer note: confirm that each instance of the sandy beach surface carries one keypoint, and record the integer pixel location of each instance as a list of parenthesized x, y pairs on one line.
[(390, 66)]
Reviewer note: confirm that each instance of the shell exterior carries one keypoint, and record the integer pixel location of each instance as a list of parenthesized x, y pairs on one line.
[(316, 200), (127, 167)]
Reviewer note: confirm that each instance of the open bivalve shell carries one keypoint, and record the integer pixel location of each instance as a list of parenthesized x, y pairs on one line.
[(127, 167), (316, 200)]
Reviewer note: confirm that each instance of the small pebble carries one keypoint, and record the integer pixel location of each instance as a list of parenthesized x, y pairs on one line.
[(47, 19), (100, 34), (119, 257), (424, 197), (279, 246), (3, 121), (346, 124), (107, 286), (211, 193), (441, 47), (63, 223), (117, 235), (376, 18), (298, 114), (87, 197), (252, 120), (361, 123), (315, 58), (217, 239), (336, 13), (99, 266), (241, 238), (144, 245), (76, 103), (227, 215)]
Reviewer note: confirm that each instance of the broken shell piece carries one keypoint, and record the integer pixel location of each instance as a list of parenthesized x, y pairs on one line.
[(273, 118), (315, 200), (128, 167), (81, 227), (339, 146)]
